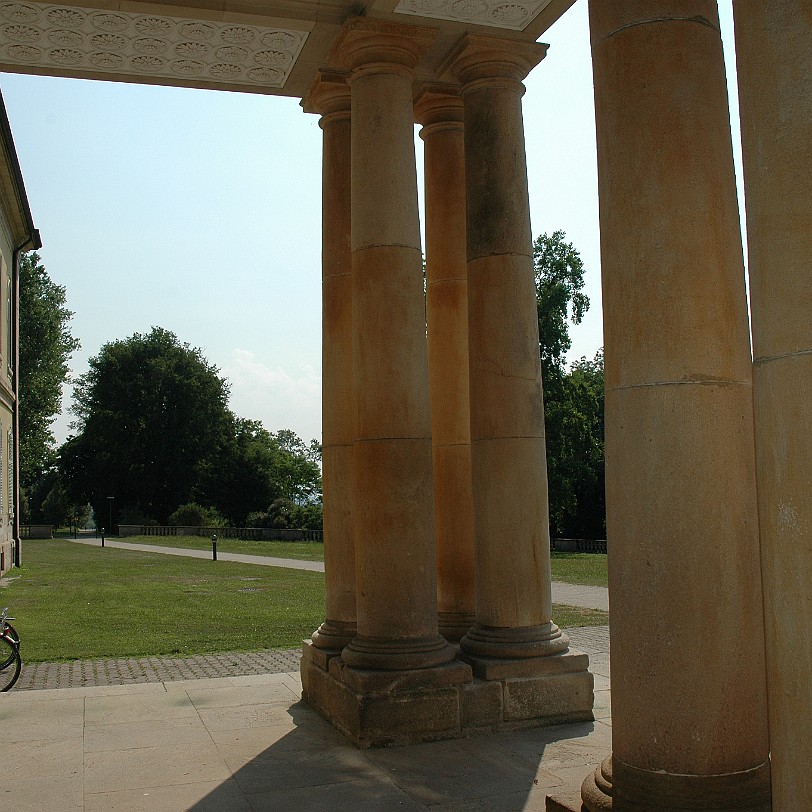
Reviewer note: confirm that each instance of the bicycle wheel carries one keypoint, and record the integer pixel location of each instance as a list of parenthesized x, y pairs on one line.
[(12, 633), (7, 656), (10, 670)]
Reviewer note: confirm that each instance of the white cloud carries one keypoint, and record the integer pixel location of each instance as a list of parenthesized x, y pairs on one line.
[(281, 399)]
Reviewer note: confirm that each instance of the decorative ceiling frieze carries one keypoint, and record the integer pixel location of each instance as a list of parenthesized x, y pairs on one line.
[(46, 36), (514, 15)]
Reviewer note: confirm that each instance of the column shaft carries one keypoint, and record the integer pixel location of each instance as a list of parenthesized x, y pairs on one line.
[(688, 684), (330, 95), (394, 520), (439, 109), (774, 57), (511, 527)]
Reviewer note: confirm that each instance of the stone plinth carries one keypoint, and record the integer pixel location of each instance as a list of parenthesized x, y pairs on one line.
[(378, 708)]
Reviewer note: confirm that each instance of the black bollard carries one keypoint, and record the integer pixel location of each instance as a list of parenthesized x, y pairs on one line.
[(214, 546), (102, 536)]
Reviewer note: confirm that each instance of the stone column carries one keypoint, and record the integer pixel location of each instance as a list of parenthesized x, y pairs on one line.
[(330, 96), (511, 527), (394, 518), (439, 109), (689, 709), (774, 57)]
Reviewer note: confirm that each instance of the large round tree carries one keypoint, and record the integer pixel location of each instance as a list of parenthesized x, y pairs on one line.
[(152, 422)]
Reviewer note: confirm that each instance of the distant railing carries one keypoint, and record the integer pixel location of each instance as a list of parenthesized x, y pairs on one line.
[(36, 531), (578, 545), (244, 533)]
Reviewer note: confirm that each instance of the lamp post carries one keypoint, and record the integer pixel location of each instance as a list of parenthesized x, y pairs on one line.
[(110, 514)]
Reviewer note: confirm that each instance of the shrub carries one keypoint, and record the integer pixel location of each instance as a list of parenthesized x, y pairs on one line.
[(194, 515)]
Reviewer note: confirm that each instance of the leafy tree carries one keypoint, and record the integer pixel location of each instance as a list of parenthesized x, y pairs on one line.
[(575, 452), (244, 475), (573, 399), (297, 473), (259, 467), (152, 422), (46, 345), (194, 515), (559, 295)]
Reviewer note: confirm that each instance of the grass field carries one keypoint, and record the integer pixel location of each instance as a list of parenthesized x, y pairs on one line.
[(73, 601), (579, 568), (571, 568)]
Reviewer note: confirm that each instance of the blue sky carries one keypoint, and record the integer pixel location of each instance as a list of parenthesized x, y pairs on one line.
[(200, 212)]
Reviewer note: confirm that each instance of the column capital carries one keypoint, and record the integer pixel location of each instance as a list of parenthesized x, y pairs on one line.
[(478, 59), (328, 94), (371, 44), (438, 106)]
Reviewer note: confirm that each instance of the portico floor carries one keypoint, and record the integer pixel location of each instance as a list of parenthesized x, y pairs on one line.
[(249, 743)]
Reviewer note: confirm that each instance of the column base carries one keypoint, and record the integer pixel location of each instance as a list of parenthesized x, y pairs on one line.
[(385, 654), (375, 708), (514, 643), (455, 625), (334, 635), (622, 788)]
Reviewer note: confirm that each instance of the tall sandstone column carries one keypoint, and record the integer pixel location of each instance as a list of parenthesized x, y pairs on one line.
[(394, 507), (330, 96), (511, 527), (689, 710), (774, 56), (439, 109)]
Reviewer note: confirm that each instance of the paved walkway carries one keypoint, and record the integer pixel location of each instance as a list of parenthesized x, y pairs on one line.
[(134, 670), (248, 743), (262, 560), (234, 743), (588, 597)]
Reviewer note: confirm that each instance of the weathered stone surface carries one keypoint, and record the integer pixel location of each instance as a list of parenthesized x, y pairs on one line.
[(568, 662), (386, 682), (439, 109), (682, 522), (481, 704), (774, 58), (330, 96), (559, 699)]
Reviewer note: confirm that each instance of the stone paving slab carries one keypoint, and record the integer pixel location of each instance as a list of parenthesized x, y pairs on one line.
[(248, 743), (203, 747)]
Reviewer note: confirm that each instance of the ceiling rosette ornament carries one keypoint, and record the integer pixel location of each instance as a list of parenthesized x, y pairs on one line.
[(514, 16), (35, 35)]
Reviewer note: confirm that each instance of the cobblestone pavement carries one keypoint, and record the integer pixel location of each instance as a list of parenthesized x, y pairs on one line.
[(128, 671), (125, 671)]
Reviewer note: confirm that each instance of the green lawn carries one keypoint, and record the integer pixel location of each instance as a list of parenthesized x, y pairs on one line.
[(571, 568), (579, 568), (73, 601), (300, 550)]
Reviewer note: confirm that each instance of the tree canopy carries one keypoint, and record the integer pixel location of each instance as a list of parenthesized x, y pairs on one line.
[(573, 398), (46, 345), (155, 432), (152, 419)]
